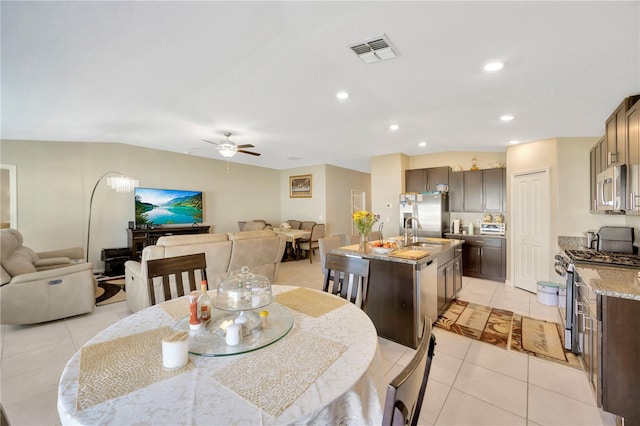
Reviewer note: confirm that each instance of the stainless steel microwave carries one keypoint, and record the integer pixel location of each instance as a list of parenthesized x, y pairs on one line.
[(610, 189)]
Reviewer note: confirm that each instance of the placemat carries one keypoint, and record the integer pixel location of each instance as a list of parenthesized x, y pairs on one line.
[(176, 308), (310, 302), (274, 377), (120, 366)]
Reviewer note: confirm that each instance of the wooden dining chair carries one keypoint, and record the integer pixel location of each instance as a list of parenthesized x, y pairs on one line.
[(175, 267), (347, 277), (295, 224), (310, 244), (406, 391)]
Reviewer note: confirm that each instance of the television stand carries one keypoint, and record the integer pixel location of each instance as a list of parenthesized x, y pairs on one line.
[(138, 239)]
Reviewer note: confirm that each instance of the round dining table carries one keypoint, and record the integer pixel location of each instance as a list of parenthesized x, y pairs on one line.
[(327, 369)]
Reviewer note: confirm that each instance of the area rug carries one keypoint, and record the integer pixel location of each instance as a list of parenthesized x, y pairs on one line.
[(505, 329), (110, 291)]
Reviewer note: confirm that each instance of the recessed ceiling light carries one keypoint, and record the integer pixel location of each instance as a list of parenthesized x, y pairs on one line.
[(493, 66), (506, 117), (422, 144), (394, 127), (514, 142), (342, 95)]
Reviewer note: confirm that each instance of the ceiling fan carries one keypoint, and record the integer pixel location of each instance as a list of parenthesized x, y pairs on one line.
[(228, 148)]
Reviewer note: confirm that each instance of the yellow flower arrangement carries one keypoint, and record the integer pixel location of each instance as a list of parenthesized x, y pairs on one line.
[(364, 221)]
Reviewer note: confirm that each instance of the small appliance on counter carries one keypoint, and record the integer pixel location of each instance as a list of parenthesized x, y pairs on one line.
[(591, 239), (617, 239), (492, 228)]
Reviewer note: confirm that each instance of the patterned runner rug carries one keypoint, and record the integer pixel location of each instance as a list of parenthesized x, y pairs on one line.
[(542, 339)]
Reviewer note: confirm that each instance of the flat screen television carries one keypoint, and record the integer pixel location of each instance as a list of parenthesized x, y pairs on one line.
[(167, 206)]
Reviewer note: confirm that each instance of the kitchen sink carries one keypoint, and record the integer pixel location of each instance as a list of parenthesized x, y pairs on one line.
[(425, 245)]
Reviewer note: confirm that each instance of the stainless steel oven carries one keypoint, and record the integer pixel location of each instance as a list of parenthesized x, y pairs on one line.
[(565, 268)]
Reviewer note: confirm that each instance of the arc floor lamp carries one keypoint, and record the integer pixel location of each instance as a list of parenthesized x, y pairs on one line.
[(120, 183)]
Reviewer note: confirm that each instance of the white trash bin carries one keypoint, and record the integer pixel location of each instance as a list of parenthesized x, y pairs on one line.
[(562, 296), (548, 293)]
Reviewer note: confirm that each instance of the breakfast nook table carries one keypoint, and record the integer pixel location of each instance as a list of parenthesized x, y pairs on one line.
[(327, 369)]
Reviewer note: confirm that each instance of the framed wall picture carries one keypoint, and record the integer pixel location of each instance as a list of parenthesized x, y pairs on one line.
[(300, 186)]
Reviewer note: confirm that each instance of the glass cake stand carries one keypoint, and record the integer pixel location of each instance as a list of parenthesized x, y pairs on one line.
[(210, 340)]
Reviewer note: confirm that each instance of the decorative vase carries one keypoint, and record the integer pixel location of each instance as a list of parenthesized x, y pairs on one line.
[(364, 243)]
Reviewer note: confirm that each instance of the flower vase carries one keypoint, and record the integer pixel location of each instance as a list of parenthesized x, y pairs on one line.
[(364, 243)]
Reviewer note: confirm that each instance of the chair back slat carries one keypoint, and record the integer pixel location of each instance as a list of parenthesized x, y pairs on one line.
[(347, 277), (406, 391), (174, 267)]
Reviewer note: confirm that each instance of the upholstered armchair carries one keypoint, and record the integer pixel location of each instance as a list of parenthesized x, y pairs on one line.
[(39, 287)]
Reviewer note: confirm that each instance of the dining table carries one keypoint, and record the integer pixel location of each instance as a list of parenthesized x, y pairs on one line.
[(323, 367), (291, 236)]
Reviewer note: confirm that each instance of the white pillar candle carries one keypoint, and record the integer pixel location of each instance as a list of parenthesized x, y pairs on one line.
[(175, 350), (233, 334)]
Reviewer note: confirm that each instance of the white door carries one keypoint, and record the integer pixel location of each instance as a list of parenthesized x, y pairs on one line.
[(531, 218)]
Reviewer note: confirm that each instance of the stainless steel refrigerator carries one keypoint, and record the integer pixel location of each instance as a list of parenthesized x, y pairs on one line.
[(431, 209)]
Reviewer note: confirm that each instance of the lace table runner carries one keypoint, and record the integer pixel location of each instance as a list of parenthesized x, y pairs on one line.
[(120, 366), (274, 377), (310, 302)]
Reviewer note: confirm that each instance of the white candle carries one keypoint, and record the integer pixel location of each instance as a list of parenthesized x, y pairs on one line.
[(233, 334), (175, 350)]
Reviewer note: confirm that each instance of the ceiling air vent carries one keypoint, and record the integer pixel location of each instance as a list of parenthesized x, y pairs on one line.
[(374, 50)]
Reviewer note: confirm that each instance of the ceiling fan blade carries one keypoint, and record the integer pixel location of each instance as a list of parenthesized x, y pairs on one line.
[(247, 145), (215, 143), (248, 152)]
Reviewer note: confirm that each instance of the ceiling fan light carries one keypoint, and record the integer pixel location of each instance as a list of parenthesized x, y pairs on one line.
[(227, 152)]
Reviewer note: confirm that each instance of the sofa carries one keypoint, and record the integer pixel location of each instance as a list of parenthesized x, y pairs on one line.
[(261, 251), (45, 286)]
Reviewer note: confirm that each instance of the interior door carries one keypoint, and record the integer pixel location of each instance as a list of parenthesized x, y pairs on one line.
[(531, 257)]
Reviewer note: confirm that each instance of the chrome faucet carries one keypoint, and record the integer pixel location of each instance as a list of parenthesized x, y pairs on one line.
[(380, 226), (406, 229)]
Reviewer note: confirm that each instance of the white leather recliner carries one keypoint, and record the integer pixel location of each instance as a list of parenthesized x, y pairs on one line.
[(39, 287)]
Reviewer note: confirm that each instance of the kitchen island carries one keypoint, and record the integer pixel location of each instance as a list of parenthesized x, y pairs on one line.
[(403, 285)]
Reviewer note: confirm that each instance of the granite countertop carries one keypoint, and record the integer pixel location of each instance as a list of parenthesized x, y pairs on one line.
[(610, 280), (444, 243), (615, 281)]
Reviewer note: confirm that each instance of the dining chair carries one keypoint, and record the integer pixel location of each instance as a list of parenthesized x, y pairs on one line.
[(310, 244), (295, 224), (307, 225), (175, 267), (347, 277), (406, 391), (343, 238), (254, 226), (241, 225), (325, 245)]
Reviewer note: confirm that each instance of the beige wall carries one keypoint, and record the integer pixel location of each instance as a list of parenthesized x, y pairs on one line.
[(387, 182), (458, 160), (55, 181), (340, 183), (313, 208)]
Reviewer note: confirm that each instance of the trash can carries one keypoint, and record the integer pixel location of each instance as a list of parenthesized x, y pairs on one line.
[(562, 295), (548, 293)]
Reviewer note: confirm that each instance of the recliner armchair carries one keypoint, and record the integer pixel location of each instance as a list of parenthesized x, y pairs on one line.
[(40, 287)]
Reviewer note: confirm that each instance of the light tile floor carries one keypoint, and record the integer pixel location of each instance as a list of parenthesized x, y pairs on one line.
[(471, 383)]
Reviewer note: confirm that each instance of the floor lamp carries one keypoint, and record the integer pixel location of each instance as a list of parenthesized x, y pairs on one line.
[(120, 183)]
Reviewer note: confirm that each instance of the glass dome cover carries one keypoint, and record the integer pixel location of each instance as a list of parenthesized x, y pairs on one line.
[(243, 291)]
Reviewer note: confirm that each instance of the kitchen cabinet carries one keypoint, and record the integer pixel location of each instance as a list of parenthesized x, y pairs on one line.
[(633, 160), (485, 190), (424, 180), (484, 257), (616, 133), (449, 276), (456, 192), (618, 346)]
